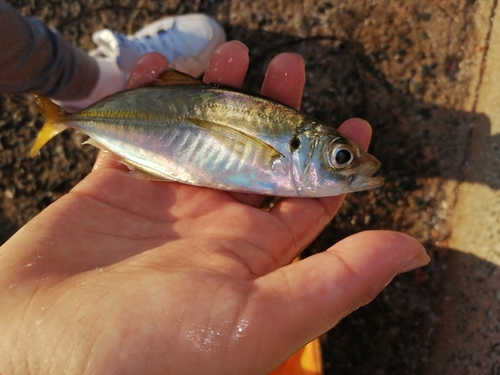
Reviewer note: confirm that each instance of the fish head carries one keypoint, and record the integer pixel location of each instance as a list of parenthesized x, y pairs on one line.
[(338, 165)]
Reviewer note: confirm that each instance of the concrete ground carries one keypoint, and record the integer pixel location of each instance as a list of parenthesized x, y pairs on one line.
[(468, 331), (423, 72)]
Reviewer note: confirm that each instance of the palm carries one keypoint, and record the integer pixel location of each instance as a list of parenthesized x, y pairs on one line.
[(126, 275), (156, 246)]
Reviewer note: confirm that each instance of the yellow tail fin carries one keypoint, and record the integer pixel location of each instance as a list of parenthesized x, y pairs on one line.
[(52, 113)]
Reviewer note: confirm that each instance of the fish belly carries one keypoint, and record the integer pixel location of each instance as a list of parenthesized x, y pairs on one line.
[(182, 152)]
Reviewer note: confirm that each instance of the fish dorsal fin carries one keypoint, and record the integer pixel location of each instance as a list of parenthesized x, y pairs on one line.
[(236, 140), (173, 77)]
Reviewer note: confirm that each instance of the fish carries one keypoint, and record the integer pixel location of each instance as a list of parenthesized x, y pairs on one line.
[(180, 129)]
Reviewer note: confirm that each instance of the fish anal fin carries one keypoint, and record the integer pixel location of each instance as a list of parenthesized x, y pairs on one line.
[(173, 77), (140, 171), (234, 139), (94, 143)]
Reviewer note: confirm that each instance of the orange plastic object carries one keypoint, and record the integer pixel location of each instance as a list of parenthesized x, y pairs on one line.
[(307, 361)]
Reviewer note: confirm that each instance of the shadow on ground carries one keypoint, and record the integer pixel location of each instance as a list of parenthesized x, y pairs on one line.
[(420, 145)]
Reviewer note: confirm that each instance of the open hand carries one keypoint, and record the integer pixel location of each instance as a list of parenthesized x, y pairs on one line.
[(124, 275)]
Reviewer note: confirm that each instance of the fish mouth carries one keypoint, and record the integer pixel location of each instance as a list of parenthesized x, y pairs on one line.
[(365, 181), (370, 183)]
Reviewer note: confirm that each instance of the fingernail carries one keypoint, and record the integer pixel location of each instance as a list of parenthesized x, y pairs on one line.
[(237, 42), (229, 46), (422, 259)]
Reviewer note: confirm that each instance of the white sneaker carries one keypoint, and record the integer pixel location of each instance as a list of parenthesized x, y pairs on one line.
[(187, 41)]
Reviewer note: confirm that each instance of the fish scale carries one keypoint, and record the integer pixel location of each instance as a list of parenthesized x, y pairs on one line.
[(180, 129)]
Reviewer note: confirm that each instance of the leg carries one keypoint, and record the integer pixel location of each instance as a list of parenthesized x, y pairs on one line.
[(32, 55)]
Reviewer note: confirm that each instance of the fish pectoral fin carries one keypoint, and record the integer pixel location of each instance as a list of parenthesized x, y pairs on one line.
[(236, 140), (174, 77)]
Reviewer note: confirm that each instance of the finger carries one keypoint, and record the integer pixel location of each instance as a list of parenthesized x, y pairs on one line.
[(228, 65), (146, 70), (285, 79), (305, 218), (324, 288), (357, 130)]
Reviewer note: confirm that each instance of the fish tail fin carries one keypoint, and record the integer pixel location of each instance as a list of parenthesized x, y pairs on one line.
[(52, 112)]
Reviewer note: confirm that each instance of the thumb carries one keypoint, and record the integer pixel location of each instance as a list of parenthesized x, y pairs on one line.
[(311, 296)]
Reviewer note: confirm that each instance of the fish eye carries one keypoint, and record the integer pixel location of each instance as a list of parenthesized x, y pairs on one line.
[(341, 156)]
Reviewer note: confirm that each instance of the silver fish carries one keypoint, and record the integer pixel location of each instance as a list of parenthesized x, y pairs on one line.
[(183, 130)]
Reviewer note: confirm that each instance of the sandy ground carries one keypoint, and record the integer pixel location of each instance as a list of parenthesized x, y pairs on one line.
[(402, 65)]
